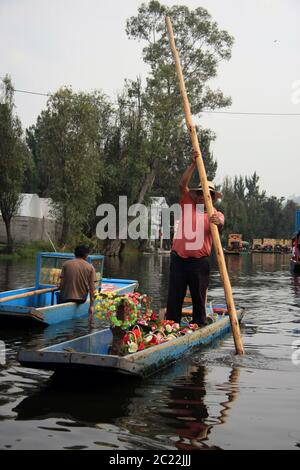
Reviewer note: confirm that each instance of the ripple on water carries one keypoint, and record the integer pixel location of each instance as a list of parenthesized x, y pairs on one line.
[(211, 399)]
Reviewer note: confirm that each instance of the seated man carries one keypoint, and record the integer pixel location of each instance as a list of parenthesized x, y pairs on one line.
[(78, 278)]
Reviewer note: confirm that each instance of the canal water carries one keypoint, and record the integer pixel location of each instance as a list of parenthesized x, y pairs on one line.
[(209, 400)]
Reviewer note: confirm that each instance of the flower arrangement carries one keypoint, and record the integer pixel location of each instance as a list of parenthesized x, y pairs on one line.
[(142, 328), (122, 311)]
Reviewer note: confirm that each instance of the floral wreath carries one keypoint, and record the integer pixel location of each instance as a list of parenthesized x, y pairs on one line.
[(142, 327), (108, 304)]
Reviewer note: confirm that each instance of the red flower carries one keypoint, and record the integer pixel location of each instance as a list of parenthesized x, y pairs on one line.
[(126, 338), (141, 346), (137, 333), (154, 340)]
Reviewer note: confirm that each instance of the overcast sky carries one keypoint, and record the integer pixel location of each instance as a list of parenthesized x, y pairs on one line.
[(45, 44)]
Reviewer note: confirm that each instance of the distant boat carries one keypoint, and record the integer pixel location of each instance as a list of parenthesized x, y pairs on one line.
[(236, 245), (271, 245), (39, 305), (295, 260)]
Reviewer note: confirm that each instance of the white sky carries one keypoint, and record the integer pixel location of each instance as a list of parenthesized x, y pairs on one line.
[(45, 44)]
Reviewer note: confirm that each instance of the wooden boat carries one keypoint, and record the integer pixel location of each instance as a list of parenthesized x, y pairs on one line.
[(39, 305), (236, 245), (91, 353), (295, 260)]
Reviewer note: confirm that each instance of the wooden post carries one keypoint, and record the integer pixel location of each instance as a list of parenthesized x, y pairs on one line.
[(207, 198), (28, 294)]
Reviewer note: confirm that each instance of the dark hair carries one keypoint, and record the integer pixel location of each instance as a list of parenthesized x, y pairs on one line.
[(81, 251)]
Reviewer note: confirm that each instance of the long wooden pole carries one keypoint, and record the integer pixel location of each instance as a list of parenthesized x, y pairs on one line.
[(207, 198), (28, 294)]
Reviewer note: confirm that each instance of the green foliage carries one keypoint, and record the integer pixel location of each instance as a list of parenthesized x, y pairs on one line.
[(250, 212), (26, 251), (66, 143), (14, 158), (201, 45)]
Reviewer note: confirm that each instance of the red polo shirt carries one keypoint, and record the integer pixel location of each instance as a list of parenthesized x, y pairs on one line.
[(193, 238)]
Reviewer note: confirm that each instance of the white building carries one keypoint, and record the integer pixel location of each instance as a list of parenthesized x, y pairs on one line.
[(34, 221)]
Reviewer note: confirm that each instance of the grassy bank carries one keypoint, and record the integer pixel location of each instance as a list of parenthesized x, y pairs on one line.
[(25, 251), (30, 250)]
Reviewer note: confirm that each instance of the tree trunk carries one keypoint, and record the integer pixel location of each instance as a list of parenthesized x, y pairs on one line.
[(65, 229), (10, 242), (115, 247)]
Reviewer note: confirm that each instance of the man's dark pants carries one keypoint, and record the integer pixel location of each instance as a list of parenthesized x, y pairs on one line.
[(192, 273)]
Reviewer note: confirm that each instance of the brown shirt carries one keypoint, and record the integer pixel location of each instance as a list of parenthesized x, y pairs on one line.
[(78, 277)]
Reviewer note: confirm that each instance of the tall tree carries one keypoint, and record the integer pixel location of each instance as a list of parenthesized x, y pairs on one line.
[(14, 158), (158, 114), (126, 156), (201, 47), (67, 142), (250, 212)]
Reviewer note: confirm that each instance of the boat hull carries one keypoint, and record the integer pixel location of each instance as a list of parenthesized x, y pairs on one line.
[(43, 310), (90, 353)]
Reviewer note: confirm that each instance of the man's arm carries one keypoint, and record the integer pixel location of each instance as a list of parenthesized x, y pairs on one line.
[(186, 177), (93, 280), (92, 300), (218, 219)]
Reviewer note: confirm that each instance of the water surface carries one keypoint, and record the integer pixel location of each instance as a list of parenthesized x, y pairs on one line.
[(212, 399)]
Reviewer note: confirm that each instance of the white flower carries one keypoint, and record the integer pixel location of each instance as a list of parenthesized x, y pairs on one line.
[(148, 338), (132, 347)]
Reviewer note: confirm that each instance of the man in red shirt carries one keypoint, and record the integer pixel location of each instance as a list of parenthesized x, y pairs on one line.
[(191, 249)]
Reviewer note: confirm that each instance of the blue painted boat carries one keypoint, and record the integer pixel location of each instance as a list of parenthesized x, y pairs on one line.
[(43, 308), (92, 353)]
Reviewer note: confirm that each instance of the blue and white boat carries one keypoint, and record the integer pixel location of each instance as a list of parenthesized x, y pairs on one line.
[(94, 353), (40, 305)]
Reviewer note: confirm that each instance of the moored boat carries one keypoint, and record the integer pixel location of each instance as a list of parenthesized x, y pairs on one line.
[(92, 353), (39, 305), (236, 245), (295, 260)]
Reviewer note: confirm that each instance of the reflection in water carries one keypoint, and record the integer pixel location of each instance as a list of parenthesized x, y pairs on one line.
[(295, 283), (16, 274), (235, 263), (88, 403), (180, 399), (188, 407)]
